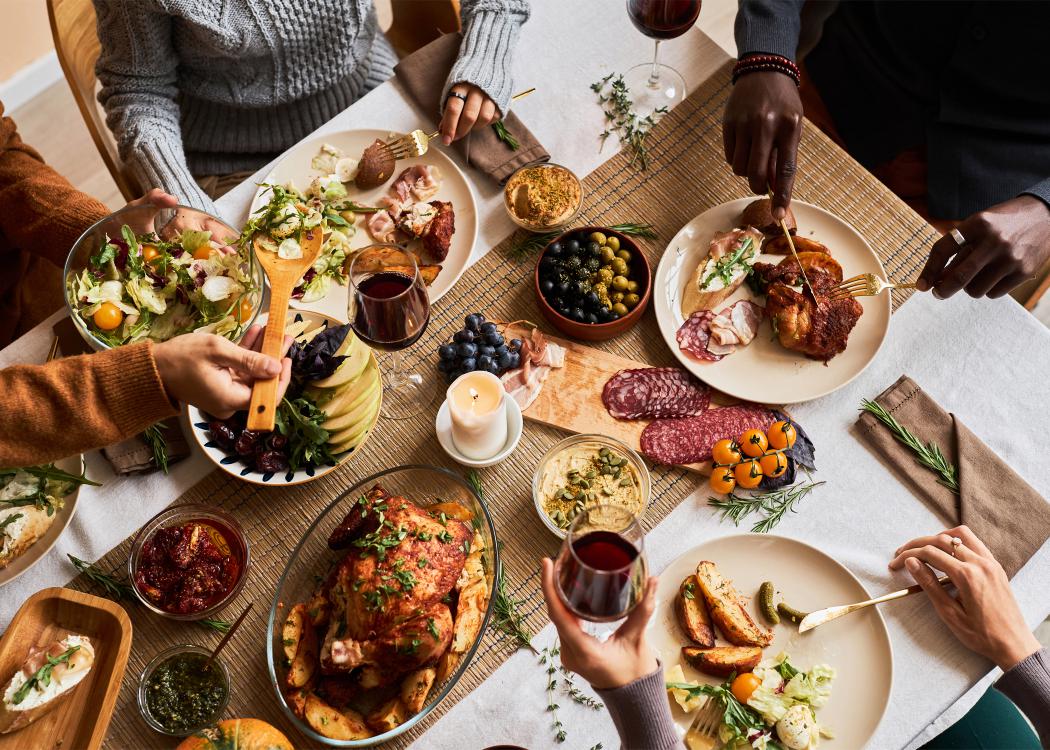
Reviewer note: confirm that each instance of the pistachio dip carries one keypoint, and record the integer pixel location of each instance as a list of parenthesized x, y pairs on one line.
[(581, 475), (543, 196)]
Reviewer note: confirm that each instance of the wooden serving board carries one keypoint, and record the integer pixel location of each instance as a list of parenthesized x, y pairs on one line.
[(80, 719), (571, 397)]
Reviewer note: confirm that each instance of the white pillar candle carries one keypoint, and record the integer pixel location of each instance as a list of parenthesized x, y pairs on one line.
[(479, 414)]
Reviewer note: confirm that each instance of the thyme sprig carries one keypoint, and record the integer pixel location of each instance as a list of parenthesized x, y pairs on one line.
[(575, 693), (154, 438), (632, 130), (927, 454), (505, 135), (547, 657), (772, 506)]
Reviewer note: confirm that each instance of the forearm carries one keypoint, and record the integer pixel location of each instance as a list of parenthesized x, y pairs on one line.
[(642, 714), (73, 405), (1027, 684), (1041, 191), (490, 32), (770, 26)]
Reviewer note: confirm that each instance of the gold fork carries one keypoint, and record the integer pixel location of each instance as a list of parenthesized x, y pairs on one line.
[(417, 142), (703, 731), (866, 285)]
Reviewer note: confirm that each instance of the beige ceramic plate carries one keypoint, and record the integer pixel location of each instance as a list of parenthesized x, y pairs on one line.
[(29, 558), (764, 371), (856, 646), (295, 166)]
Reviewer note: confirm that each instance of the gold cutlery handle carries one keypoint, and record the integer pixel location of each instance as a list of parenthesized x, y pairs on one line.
[(815, 619), (905, 285)]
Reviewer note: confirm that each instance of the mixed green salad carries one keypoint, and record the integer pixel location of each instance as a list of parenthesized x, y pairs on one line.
[(779, 713), (139, 287)]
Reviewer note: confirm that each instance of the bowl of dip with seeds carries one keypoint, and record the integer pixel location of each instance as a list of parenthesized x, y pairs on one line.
[(542, 196)]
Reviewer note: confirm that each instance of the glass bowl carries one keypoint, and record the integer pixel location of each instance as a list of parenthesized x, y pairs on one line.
[(595, 443), (143, 220), (311, 560), (159, 659), (542, 227), (176, 516)]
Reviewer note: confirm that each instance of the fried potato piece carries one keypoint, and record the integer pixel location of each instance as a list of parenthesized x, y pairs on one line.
[(297, 701), (319, 608), (415, 688), (333, 724), (812, 261), (305, 662), (779, 246), (388, 715), (469, 615), (446, 666), (759, 214), (453, 510), (692, 614), (723, 661), (392, 259), (292, 631), (727, 608)]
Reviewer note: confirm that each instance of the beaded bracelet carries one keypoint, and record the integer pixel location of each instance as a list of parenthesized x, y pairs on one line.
[(776, 63)]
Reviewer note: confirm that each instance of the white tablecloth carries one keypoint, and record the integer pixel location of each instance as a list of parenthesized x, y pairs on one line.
[(984, 360)]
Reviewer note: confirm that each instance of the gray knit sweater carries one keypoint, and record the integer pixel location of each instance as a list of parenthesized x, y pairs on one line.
[(197, 87)]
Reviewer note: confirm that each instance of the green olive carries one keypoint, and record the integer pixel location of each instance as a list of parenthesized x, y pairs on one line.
[(616, 297), (619, 265), (619, 283), (631, 300), (608, 254), (600, 288), (614, 243), (632, 286), (597, 237), (605, 275), (619, 308), (624, 255)]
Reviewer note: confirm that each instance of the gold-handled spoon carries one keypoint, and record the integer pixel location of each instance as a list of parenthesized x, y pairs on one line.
[(283, 274), (818, 618)]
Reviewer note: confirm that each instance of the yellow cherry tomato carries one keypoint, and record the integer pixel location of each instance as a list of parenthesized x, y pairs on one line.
[(748, 474), (243, 311), (150, 253), (744, 685), (722, 480), (203, 252), (773, 463), (754, 443), (726, 452), (782, 435), (108, 316)]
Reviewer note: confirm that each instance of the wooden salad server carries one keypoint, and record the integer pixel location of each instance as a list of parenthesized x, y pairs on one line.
[(818, 618), (283, 274)]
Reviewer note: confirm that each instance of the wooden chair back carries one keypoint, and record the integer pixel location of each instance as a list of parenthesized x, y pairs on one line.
[(416, 23), (76, 42)]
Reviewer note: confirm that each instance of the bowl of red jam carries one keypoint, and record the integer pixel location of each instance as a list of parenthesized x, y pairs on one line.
[(188, 562)]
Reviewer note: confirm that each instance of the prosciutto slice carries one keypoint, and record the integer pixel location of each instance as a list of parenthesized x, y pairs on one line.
[(538, 357), (381, 226), (734, 326), (420, 182)]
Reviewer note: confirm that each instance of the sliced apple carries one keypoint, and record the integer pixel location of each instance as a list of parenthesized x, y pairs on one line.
[(337, 401), (367, 386), (354, 435), (358, 356)]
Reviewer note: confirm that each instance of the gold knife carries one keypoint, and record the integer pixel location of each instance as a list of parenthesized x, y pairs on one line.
[(818, 618), (794, 252)]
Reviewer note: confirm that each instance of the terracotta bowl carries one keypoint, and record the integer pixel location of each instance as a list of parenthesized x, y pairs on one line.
[(641, 272)]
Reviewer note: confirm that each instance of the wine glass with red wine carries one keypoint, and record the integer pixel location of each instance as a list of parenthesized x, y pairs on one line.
[(601, 568), (654, 85), (389, 309)]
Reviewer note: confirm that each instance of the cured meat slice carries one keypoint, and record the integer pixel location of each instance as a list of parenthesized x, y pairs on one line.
[(655, 393), (690, 439), (694, 335), (735, 325)]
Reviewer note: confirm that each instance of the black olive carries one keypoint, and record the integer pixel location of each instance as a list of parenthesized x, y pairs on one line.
[(554, 250), (578, 314), (562, 288), (582, 288), (594, 249), (592, 318), (555, 302), (604, 314), (591, 300), (572, 246)]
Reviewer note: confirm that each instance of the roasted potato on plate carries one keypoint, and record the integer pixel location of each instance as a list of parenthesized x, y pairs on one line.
[(293, 630), (303, 645), (415, 688), (779, 246), (393, 260), (469, 614), (692, 614), (811, 261), (727, 608), (723, 661), (446, 666), (336, 725), (387, 716)]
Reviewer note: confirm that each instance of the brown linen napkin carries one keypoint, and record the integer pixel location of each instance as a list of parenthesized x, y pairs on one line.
[(423, 75), (134, 455), (1001, 508)]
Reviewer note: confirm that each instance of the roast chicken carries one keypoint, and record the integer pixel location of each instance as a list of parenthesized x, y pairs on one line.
[(390, 594)]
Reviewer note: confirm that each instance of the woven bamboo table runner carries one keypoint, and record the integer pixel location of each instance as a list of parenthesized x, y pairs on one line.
[(687, 175)]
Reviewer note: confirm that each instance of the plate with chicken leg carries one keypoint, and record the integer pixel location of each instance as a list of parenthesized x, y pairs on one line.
[(753, 320)]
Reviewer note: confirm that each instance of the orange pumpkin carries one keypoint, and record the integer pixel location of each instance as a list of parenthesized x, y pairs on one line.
[(238, 734)]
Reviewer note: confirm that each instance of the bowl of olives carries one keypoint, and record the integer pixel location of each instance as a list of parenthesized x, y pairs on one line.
[(593, 283)]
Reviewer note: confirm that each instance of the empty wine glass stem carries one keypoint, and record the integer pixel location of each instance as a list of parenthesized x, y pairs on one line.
[(654, 75)]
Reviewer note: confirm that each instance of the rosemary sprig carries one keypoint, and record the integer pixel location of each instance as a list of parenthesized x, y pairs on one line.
[(773, 506), (928, 454), (633, 229), (154, 438), (505, 135), (221, 626), (632, 130), (547, 658)]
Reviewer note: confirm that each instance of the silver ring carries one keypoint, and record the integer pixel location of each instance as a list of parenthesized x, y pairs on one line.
[(956, 543), (463, 98), (958, 237)]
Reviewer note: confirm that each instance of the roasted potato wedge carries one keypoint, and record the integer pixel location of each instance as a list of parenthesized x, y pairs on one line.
[(319, 608), (446, 666), (305, 662), (453, 510), (293, 630), (778, 245), (469, 615), (388, 715), (812, 261), (297, 701), (394, 260), (727, 608), (370, 676), (691, 610), (758, 214), (336, 725), (415, 688), (722, 661)]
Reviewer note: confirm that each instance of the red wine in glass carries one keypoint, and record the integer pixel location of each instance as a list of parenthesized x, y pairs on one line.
[(391, 312), (597, 579), (663, 19)]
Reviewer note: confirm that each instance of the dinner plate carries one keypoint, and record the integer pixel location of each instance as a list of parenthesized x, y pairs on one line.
[(33, 555), (764, 371), (857, 647), (295, 166)]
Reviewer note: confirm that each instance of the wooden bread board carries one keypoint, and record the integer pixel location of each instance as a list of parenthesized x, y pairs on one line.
[(571, 397), (81, 718)]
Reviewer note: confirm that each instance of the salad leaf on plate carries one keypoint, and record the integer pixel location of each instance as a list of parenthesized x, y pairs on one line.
[(317, 359), (300, 421)]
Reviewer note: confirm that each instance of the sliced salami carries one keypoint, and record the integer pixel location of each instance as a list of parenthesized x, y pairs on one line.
[(655, 393), (694, 335), (690, 439)]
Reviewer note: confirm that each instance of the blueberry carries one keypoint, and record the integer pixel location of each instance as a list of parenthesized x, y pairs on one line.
[(486, 349), (447, 351), (469, 364), (546, 286), (468, 349), (515, 345), (572, 246), (592, 318), (488, 328), (577, 314), (554, 250), (484, 361), (591, 300), (494, 339), (464, 337)]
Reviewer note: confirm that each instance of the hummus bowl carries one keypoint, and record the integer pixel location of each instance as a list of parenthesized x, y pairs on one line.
[(583, 470)]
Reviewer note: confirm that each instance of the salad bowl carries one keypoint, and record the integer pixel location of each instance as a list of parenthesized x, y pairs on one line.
[(361, 396), (147, 273), (312, 559)]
